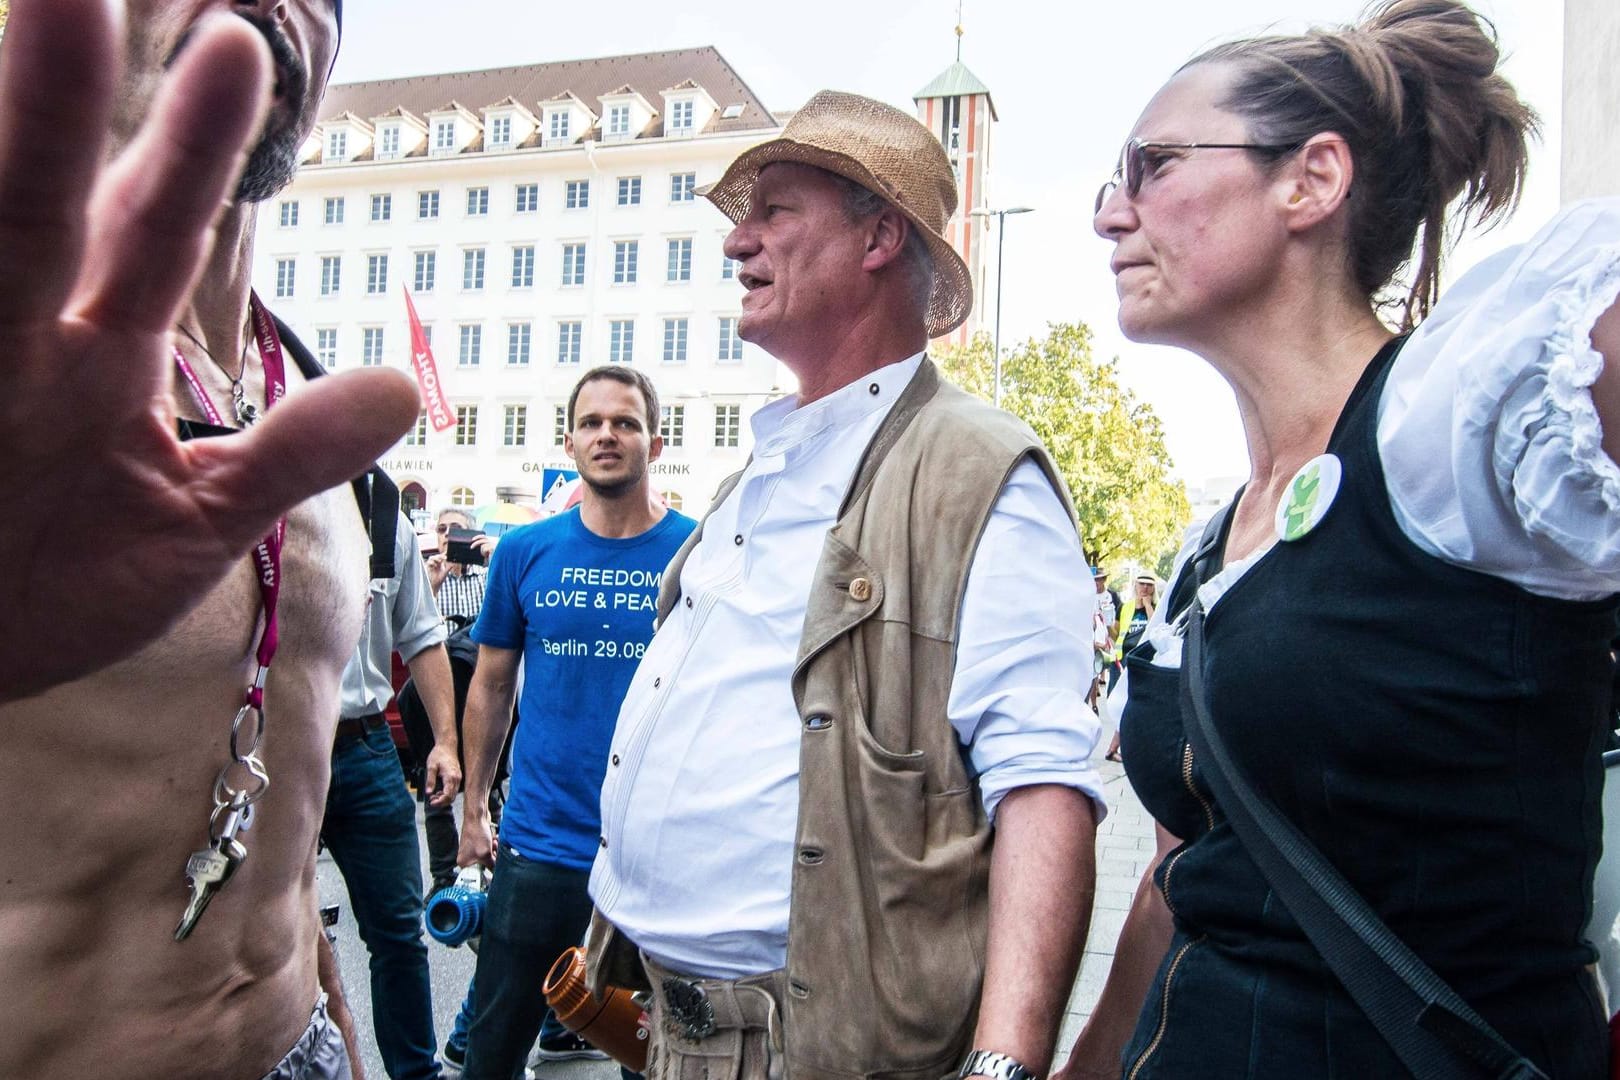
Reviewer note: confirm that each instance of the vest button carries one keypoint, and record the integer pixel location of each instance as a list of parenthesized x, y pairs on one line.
[(860, 590), (810, 856), (818, 722)]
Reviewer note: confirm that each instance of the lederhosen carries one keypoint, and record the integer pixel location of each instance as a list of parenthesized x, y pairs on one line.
[(1436, 733)]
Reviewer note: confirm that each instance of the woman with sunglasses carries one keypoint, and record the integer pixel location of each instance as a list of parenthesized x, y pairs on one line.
[(1425, 557)]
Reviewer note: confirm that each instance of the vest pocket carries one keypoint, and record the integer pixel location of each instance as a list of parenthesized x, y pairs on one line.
[(926, 871)]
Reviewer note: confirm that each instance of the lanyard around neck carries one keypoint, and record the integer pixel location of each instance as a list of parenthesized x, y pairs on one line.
[(267, 555)]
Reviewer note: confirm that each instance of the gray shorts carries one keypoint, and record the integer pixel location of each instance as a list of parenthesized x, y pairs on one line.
[(318, 1055)]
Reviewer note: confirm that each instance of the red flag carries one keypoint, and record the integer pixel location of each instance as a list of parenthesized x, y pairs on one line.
[(439, 413)]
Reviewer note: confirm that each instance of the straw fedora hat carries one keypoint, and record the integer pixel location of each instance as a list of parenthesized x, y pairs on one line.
[(888, 153)]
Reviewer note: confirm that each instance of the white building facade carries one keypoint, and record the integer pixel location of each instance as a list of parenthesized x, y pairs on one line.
[(1591, 145), (544, 220)]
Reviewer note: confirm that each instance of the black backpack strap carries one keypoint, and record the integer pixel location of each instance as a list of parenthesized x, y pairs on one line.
[(1436, 1034)]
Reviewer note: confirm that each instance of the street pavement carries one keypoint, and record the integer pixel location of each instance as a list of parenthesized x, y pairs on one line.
[(1124, 851)]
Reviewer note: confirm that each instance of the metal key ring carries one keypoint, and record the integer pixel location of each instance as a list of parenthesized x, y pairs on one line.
[(236, 732), (227, 793)]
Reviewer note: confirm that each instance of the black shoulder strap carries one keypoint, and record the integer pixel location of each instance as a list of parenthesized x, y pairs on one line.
[(1431, 1029), (1205, 562), (374, 489)]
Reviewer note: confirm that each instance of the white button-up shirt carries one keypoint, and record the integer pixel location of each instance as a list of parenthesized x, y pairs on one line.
[(700, 806)]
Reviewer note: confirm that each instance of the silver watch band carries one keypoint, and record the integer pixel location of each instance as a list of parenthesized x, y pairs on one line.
[(995, 1064)]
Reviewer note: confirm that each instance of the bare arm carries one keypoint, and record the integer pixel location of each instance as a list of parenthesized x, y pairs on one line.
[(1143, 942), (1606, 390), (1043, 875), (337, 1006), (484, 723), (430, 670)]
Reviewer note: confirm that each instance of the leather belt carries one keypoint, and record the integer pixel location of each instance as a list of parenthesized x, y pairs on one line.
[(355, 727), (694, 1009)]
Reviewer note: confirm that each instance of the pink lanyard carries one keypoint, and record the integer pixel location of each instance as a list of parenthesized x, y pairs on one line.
[(267, 555)]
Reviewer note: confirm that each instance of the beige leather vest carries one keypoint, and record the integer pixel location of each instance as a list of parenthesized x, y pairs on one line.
[(887, 928)]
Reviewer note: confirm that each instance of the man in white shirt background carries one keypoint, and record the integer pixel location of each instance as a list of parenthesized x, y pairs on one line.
[(848, 820)]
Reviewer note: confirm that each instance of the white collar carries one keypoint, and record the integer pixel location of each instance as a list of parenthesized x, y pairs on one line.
[(783, 425)]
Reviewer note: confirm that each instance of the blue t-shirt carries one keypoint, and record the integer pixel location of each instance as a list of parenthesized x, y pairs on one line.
[(581, 607)]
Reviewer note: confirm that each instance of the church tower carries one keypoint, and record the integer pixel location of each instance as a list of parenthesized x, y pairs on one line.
[(957, 108)]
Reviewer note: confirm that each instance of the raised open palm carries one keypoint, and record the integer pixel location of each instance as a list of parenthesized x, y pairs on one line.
[(114, 527)]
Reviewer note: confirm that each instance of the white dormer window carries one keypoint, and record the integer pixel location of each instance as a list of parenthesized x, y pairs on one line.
[(558, 132), (337, 145), (388, 142), (680, 117), (618, 125), (500, 131), (444, 136)]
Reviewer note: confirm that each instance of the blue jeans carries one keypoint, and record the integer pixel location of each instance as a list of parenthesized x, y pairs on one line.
[(536, 910), (550, 1028), (370, 829)]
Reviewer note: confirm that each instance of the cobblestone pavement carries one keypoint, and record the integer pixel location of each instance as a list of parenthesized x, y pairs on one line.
[(1124, 848)]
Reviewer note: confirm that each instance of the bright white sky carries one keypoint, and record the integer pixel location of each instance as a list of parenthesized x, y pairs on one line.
[(1068, 78)]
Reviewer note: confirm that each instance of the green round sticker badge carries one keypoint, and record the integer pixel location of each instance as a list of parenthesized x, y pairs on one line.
[(1309, 495)]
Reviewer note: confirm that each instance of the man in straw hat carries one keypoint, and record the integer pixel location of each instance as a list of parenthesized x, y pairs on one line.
[(867, 655), (173, 597)]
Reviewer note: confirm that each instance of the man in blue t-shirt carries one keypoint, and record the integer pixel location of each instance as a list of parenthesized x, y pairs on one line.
[(574, 597)]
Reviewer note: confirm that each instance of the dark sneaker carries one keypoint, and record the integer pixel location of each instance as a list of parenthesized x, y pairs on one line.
[(454, 1055), (566, 1047), (438, 885)]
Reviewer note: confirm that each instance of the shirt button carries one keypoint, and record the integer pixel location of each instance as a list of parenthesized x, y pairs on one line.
[(603, 840), (737, 539), (658, 682), (615, 759), (873, 389), (688, 601)]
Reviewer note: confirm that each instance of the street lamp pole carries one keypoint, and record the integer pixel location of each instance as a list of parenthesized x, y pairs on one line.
[(1001, 225)]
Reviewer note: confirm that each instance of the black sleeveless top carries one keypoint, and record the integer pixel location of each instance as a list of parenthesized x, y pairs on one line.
[(1436, 733)]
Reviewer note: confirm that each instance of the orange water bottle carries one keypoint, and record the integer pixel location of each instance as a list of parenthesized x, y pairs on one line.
[(612, 1024)]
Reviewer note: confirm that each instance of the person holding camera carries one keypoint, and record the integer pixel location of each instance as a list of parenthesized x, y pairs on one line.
[(458, 584)]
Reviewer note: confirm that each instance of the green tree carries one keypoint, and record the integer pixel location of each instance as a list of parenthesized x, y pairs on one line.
[(1108, 445), (5, 13)]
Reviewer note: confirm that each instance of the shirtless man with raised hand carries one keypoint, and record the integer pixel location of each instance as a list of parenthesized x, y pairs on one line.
[(132, 609)]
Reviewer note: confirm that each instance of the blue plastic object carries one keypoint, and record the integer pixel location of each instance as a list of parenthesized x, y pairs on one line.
[(455, 915)]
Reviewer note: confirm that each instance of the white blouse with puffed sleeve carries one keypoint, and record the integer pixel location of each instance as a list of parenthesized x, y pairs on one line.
[(1491, 446)]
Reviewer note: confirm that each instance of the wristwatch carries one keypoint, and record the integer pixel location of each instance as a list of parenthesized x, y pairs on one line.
[(992, 1063)]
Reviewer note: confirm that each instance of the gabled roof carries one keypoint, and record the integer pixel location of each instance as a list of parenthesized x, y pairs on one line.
[(956, 81), (507, 102), (588, 80), (451, 106), (350, 118), (401, 113), (567, 97)]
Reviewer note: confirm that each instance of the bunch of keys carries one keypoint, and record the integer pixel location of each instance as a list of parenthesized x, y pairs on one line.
[(208, 870)]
